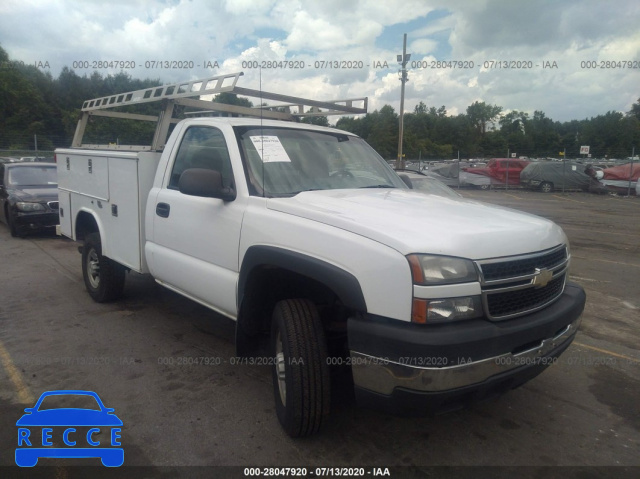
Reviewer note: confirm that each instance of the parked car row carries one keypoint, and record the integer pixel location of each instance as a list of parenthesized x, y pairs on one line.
[(501, 171), (619, 179), (550, 176), (545, 176), (28, 196)]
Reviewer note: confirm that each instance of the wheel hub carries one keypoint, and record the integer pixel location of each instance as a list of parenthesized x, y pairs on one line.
[(93, 268)]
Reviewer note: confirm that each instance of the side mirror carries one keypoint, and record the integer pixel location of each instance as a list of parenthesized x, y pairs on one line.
[(205, 183)]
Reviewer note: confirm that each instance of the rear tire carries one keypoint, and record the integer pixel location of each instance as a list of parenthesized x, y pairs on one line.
[(546, 187), (301, 381), (103, 278)]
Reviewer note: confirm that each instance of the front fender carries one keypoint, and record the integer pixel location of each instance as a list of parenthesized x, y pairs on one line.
[(341, 282)]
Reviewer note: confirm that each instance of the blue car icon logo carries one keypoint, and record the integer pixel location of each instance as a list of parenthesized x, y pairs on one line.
[(90, 431)]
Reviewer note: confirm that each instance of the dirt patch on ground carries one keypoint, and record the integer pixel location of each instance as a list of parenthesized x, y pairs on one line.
[(611, 319)]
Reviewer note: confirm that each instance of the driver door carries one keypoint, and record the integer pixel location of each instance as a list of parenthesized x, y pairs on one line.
[(196, 239)]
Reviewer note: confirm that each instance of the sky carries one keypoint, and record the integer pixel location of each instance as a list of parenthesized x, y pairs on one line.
[(571, 59)]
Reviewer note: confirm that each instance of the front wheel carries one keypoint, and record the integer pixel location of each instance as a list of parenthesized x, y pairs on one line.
[(12, 224), (301, 381), (103, 278), (546, 187)]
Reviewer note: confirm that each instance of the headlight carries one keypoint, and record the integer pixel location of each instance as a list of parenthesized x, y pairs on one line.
[(427, 311), (453, 309), (431, 270), (29, 207)]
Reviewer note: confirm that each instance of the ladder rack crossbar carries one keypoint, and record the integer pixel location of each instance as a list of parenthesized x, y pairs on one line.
[(193, 88), (225, 83), (192, 94)]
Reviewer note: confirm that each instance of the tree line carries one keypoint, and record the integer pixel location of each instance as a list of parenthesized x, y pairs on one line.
[(35, 104), (484, 131)]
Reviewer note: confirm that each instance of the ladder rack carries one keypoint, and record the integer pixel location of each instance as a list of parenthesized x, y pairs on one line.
[(189, 94)]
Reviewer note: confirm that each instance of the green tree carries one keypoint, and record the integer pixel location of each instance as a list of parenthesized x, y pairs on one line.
[(543, 135), (383, 136), (315, 120), (480, 115), (420, 109), (635, 110), (232, 99)]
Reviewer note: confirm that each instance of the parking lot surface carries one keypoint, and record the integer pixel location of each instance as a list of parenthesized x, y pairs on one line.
[(167, 366)]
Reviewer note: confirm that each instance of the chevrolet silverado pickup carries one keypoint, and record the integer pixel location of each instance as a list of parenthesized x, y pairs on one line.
[(309, 241)]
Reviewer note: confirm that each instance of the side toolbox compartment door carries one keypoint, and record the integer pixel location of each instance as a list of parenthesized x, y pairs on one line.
[(64, 201)]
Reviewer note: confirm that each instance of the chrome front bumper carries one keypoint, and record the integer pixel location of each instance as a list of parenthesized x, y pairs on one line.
[(382, 376)]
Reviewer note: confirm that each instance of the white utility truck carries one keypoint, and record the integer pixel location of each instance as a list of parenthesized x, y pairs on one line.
[(319, 251)]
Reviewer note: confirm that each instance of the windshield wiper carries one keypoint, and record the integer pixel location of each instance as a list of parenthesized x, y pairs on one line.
[(378, 186), (294, 193)]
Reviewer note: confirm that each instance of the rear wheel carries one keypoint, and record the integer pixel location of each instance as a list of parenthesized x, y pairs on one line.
[(103, 278), (546, 187), (301, 382)]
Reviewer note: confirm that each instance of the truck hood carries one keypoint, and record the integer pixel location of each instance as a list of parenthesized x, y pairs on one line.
[(412, 222)]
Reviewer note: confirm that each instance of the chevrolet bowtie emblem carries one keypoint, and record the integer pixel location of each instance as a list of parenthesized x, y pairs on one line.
[(542, 277)]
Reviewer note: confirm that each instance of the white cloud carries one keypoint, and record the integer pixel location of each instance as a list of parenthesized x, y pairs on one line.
[(233, 31), (313, 33), (422, 46), (248, 7)]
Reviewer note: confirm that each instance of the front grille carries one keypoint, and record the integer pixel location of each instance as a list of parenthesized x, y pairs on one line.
[(523, 266), (523, 300), (54, 205), (512, 286)]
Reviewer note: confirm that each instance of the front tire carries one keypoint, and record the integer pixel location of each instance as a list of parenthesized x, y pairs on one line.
[(11, 223), (301, 382), (546, 187), (103, 278)]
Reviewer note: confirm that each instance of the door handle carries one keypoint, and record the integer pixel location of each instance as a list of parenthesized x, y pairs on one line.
[(162, 210)]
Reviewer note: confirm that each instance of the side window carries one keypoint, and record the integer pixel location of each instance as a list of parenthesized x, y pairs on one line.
[(202, 147)]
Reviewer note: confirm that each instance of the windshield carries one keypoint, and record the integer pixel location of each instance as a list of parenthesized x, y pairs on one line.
[(287, 161), (32, 176)]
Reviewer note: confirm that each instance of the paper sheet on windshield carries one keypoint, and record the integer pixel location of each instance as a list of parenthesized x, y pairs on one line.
[(270, 149)]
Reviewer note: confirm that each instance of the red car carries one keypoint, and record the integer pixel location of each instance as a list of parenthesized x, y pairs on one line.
[(498, 168)]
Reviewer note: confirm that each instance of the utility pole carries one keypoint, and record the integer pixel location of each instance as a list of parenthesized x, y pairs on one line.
[(633, 155), (508, 161), (458, 169), (402, 60), (564, 164)]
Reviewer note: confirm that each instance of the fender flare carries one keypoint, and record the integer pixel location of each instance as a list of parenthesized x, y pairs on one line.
[(85, 211), (344, 284)]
